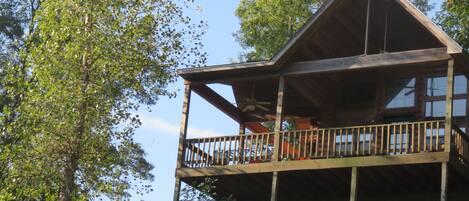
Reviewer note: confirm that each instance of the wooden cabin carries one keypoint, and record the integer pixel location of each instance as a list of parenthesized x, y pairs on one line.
[(368, 101)]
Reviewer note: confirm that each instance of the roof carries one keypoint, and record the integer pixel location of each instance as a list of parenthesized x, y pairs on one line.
[(313, 25)]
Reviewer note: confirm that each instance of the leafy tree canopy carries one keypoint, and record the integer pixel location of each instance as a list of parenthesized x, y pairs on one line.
[(266, 25), (87, 66), (454, 19)]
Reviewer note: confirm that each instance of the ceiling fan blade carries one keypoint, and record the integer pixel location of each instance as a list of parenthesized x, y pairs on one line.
[(258, 116), (269, 117), (263, 103)]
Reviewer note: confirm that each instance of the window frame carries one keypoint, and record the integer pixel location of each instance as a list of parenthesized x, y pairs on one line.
[(402, 110), (427, 98)]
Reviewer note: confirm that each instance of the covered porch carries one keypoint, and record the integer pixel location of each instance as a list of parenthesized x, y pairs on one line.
[(359, 114)]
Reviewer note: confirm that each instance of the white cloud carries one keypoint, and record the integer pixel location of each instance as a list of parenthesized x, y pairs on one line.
[(166, 127)]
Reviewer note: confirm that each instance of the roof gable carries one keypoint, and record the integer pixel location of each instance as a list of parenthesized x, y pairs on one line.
[(403, 12), (338, 29)]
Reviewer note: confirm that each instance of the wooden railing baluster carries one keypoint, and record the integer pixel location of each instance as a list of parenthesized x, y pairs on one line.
[(295, 141), (364, 141), (437, 137), (310, 133), (334, 140)]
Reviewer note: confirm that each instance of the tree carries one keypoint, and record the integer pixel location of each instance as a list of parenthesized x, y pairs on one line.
[(454, 19), (202, 191), (93, 63), (266, 25), (16, 28), (424, 5)]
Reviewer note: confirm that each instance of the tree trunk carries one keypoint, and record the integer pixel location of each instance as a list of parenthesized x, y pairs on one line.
[(69, 188)]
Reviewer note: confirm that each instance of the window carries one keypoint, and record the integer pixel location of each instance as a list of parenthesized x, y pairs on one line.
[(435, 104), (436, 86), (400, 93)]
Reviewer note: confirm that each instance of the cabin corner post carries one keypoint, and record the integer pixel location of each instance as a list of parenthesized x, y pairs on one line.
[(354, 184), (449, 105), (444, 181), (274, 192), (182, 136), (277, 130), (279, 117)]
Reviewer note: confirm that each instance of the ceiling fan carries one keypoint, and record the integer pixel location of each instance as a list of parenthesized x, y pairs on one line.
[(251, 104)]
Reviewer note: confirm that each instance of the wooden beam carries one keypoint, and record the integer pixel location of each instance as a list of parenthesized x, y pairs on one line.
[(393, 59), (278, 117), (219, 102), (365, 161), (353, 184), (257, 127), (449, 105), (444, 181), (226, 107), (182, 137), (184, 72), (274, 191), (367, 62)]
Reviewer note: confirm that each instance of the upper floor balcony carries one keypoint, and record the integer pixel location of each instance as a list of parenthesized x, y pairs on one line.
[(386, 116), (383, 140)]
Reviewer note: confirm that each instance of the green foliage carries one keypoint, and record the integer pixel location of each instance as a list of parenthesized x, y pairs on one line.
[(266, 25), (424, 5), (15, 31), (86, 66), (454, 19), (202, 191)]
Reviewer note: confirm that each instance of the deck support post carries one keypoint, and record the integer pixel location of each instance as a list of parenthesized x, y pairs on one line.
[(449, 105), (274, 192), (444, 181), (353, 184), (182, 137)]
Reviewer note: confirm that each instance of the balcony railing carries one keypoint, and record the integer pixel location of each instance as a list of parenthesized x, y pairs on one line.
[(460, 144), (370, 140)]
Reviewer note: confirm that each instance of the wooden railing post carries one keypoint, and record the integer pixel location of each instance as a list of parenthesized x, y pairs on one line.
[(242, 131), (279, 117), (182, 136), (277, 129), (449, 105)]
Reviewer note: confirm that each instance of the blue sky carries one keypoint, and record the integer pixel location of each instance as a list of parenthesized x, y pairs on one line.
[(159, 132)]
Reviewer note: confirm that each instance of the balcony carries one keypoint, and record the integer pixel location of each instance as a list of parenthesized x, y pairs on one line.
[(369, 140)]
